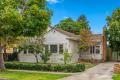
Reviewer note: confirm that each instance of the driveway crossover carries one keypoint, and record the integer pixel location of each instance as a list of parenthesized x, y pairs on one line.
[(103, 71)]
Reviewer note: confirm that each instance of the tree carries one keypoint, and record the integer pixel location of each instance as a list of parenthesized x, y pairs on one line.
[(113, 23), (72, 26), (26, 18), (83, 22), (67, 25), (35, 45), (85, 39), (10, 21), (45, 56)]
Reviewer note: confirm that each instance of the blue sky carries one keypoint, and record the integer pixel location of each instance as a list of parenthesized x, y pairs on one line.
[(95, 10)]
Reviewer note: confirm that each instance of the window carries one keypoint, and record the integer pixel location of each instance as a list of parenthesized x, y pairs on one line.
[(53, 48), (92, 49), (46, 48), (97, 49), (30, 51), (61, 49)]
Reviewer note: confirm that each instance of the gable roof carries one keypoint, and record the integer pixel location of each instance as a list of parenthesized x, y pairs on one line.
[(95, 37), (66, 33), (70, 35)]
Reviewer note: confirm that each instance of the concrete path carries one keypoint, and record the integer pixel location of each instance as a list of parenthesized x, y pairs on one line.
[(103, 71)]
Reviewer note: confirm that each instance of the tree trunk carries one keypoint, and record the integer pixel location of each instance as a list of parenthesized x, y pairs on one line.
[(5, 56), (117, 52), (2, 66), (36, 58)]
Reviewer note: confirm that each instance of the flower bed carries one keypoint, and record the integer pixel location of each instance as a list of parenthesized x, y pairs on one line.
[(46, 67)]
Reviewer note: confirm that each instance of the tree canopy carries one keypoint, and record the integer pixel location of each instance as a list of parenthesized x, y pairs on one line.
[(26, 18), (73, 26), (85, 39), (113, 23)]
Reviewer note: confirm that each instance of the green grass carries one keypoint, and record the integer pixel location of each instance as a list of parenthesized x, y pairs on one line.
[(116, 77), (89, 65), (12, 75)]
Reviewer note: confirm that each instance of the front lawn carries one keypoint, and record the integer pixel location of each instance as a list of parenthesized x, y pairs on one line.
[(12, 75), (116, 77), (88, 65)]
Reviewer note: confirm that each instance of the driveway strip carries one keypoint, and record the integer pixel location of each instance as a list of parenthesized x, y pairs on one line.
[(103, 71)]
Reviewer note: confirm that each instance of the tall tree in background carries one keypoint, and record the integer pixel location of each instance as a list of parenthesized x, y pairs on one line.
[(68, 25), (27, 18), (83, 21), (114, 29), (73, 26)]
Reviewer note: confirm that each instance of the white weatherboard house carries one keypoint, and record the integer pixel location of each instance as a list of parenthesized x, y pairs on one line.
[(57, 41)]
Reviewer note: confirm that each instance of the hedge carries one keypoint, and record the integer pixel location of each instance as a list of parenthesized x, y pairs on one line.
[(46, 67)]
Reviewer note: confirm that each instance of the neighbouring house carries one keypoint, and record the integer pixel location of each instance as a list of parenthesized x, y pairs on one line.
[(57, 41)]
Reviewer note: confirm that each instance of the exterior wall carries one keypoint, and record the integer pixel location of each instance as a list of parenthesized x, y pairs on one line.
[(56, 58), (87, 55), (73, 50), (28, 58), (55, 37), (51, 38)]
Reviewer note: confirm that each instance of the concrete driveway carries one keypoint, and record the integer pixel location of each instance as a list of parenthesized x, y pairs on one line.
[(103, 71)]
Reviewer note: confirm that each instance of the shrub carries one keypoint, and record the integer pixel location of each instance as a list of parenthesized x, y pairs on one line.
[(46, 67), (13, 57)]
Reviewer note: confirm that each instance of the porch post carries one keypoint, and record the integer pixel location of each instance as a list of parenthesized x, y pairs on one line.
[(58, 48)]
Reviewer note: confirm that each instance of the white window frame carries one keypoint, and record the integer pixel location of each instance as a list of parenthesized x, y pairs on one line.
[(95, 49), (57, 47)]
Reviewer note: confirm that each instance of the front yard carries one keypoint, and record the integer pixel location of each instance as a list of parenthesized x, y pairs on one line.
[(16, 75), (116, 77), (13, 75), (89, 65)]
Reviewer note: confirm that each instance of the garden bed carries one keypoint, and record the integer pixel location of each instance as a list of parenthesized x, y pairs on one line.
[(46, 67)]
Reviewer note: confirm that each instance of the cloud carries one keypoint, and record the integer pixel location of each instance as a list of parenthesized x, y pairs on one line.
[(65, 17), (52, 1)]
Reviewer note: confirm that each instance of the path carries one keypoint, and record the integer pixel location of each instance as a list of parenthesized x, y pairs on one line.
[(103, 71)]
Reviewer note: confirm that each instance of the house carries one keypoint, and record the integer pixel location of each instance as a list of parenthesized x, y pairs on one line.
[(96, 52), (57, 41)]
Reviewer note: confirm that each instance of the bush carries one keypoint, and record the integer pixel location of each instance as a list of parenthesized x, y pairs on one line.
[(46, 67), (13, 57)]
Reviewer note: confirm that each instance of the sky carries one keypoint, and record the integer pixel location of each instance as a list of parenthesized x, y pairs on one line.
[(96, 11)]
